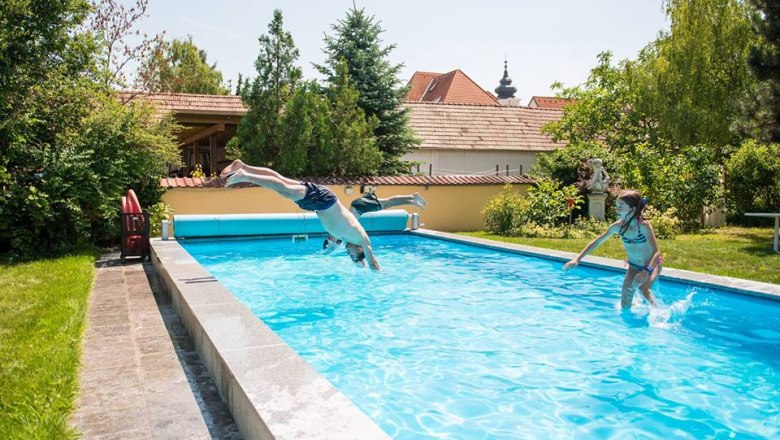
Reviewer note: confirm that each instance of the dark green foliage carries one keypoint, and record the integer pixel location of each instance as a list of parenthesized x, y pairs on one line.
[(258, 139), (352, 136), (68, 149), (753, 180), (295, 127), (763, 110), (357, 41), (179, 66)]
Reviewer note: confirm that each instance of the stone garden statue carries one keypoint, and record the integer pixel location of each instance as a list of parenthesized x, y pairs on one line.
[(600, 180)]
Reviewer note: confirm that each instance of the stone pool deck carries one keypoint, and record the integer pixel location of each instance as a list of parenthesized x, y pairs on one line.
[(141, 377)]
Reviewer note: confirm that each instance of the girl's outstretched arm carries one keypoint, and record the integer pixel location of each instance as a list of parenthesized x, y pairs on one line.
[(593, 245)]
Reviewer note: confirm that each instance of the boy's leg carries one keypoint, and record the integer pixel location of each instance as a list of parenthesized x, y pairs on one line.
[(294, 191), (260, 171), (414, 199)]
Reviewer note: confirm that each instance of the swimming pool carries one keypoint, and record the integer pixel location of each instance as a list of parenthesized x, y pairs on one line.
[(457, 341)]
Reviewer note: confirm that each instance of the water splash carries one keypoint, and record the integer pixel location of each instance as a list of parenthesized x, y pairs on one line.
[(669, 316)]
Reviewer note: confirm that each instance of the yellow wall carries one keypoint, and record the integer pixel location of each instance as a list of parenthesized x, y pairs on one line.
[(450, 208)]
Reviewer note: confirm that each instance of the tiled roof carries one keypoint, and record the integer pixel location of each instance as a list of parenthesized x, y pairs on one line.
[(450, 87), (188, 182), (481, 127), (550, 102), (190, 103), (419, 84)]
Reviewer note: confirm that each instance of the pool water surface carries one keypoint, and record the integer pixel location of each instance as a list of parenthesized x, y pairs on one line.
[(460, 342)]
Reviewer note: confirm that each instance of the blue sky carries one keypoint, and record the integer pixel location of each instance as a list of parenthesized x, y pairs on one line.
[(543, 41)]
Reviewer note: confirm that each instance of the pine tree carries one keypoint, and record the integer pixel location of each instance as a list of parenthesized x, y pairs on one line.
[(239, 84), (357, 41), (351, 132), (257, 139), (764, 114)]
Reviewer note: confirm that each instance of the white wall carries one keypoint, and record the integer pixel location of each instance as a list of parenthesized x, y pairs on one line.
[(472, 162)]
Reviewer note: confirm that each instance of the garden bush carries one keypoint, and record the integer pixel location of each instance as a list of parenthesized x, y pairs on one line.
[(157, 213), (502, 212), (666, 225), (753, 180), (544, 206), (65, 194), (546, 203)]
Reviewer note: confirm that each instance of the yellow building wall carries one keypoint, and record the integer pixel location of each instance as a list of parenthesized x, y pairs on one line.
[(450, 208)]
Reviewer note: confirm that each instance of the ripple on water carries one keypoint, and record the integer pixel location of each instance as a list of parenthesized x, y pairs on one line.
[(451, 341)]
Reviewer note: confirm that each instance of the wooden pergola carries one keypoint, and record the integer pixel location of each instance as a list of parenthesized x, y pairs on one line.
[(208, 121)]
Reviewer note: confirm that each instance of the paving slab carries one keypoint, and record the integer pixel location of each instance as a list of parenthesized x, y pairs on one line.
[(140, 376)]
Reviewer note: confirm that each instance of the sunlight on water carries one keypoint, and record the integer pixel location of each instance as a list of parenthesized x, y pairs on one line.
[(459, 342)]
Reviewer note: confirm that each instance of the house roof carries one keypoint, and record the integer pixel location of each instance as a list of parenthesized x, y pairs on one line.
[(550, 102), (481, 127), (450, 87), (189, 182), (190, 103)]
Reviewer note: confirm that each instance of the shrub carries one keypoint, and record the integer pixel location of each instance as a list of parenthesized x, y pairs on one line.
[(580, 229), (65, 194), (546, 203), (157, 213), (502, 213), (753, 182), (665, 224)]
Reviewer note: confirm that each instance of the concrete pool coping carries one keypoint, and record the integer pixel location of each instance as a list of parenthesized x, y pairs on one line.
[(271, 391)]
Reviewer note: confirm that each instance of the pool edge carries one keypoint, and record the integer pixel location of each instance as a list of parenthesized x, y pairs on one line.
[(271, 391), (735, 285)]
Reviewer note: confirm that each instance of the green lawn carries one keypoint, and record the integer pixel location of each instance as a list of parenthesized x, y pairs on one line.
[(42, 310), (735, 252)]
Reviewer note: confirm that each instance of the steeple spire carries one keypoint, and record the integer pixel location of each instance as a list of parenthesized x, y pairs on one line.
[(505, 90)]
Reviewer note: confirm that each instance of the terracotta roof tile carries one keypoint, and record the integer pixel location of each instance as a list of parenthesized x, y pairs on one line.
[(189, 103), (481, 127), (419, 83), (550, 102), (170, 182), (450, 87)]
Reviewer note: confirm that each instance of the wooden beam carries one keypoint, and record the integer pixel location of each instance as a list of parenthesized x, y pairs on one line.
[(216, 128)]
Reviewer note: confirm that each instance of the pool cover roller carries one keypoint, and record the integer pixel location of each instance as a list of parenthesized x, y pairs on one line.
[(232, 225)]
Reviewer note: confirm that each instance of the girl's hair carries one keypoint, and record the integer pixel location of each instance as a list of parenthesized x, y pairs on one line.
[(633, 200)]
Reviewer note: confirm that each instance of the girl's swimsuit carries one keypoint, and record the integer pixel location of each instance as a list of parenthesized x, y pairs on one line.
[(640, 238)]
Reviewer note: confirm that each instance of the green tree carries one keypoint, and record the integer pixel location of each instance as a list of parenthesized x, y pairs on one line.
[(603, 110), (690, 78), (297, 130), (762, 110), (180, 67), (753, 177), (352, 136), (357, 40), (257, 139), (68, 149)]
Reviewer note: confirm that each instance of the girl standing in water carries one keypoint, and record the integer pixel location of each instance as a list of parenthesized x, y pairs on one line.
[(644, 258)]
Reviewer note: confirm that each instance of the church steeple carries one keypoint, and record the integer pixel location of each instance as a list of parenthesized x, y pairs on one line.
[(505, 90)]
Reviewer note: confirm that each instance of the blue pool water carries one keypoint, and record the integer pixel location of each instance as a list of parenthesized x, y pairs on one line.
[(459, 342)]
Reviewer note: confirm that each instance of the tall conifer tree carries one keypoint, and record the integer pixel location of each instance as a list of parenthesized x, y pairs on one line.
[(765, 63), (257, 139), (357, 41)]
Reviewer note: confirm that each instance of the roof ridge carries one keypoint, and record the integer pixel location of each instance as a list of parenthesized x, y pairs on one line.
[(143, 93), (480, 87)]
